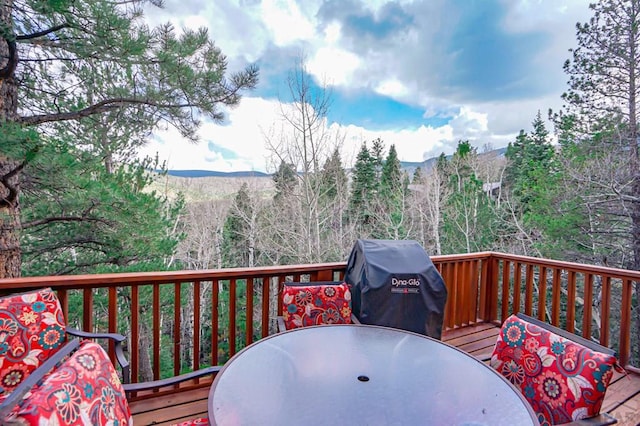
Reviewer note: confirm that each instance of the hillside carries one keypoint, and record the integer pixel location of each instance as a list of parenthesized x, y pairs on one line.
[(408, 166), (202, 185), (211, 187)]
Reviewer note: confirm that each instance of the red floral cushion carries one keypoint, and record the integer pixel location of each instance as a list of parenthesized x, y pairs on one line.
[(32, 328), (562, 380), (193, 422), (316, 303), (83, 390)]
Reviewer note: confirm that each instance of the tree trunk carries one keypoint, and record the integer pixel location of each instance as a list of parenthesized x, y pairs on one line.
[(10, 254), (10, 258), (145, 372), (635, 168), (635, 231), (186, 331), (252, 240)]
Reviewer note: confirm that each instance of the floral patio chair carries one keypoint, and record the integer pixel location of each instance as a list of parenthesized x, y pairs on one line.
[(82, 389), (563, 376), (47, 377), (41, 369), (194, 422), (315, 303), (32, 329)]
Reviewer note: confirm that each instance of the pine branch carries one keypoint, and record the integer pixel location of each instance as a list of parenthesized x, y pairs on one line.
[(57, 219), (42, 33), (98, 108), (12, 197)]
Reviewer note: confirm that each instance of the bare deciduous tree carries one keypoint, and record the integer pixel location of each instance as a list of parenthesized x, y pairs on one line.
[(298, 224)]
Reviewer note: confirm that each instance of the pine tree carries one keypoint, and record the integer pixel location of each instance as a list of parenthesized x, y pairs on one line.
[(363, 187), (515, 154), (74, 70), (334, 178), (530, 162), (417, 175), (238, 248), (377, 156), (285, 179), (602, 112), (334, 197), (105, 220), (391, 177), (467, 219), (391, 198)]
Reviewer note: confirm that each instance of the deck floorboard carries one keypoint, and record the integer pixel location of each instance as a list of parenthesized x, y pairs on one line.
[(622, 399)]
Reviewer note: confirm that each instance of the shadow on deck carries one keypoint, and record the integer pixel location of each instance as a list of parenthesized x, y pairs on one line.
[(622, 398)]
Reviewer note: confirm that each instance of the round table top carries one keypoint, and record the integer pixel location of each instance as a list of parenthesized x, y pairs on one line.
[(361, 375)]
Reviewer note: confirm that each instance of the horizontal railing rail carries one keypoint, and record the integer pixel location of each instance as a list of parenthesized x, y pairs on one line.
[(182, 320)]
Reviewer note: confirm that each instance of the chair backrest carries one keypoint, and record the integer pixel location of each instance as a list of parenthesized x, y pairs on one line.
[(563, 376), (594, 346), (305, 304), (32, 328)]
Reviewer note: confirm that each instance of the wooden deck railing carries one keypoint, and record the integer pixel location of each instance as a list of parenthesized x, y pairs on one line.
[(596, 302), (178, 321)]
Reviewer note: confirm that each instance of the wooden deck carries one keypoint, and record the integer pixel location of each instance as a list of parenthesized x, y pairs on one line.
[(622, 399)]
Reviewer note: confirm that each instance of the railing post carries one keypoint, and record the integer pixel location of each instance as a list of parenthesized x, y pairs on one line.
[(87, 309), (625, 323), (542, 294), (483, 307), (489, 289), (113, 319), (325, 275)]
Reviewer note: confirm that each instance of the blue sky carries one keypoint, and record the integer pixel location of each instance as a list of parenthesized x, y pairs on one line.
[(419, 74)]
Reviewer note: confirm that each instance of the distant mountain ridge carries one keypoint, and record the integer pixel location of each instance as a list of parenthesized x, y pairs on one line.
[(408, 166), (212, 173)]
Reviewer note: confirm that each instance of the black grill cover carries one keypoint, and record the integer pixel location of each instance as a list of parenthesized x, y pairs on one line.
[(395, 284)]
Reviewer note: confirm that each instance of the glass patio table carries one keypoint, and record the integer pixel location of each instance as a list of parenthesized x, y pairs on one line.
[(361, 375)]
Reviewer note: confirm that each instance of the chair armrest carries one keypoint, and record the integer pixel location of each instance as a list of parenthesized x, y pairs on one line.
[(281, 327), (117, 338), (484, 357), (601, 419), (155, 384), (36, 377)]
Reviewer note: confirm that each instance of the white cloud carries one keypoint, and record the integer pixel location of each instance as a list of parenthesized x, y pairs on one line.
[(411, 145), (469, 124), (527, 15), (333, 65), (393, 88), (194, 22), (286, 22), (420, 144), (253, 118), (242, 134), (332, 33), (413, 66)]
